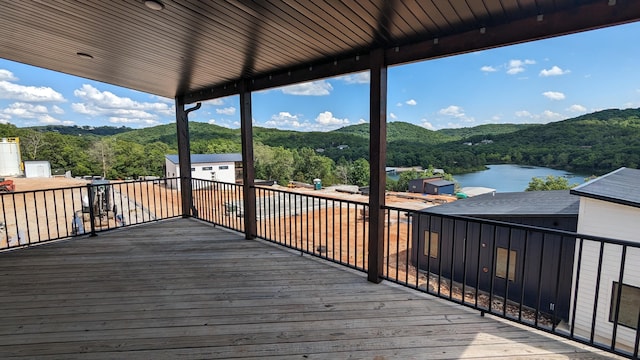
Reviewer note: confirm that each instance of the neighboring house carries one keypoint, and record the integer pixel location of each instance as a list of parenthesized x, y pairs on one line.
[(37, 169), (609, 207), (420, 185), (216, 167), (466, 251)]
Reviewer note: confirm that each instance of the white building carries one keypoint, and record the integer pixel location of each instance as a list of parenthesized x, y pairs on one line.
[(215, 167), (609, 207), (37, 169)]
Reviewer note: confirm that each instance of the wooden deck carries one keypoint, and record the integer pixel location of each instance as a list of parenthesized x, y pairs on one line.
[(183, 289)]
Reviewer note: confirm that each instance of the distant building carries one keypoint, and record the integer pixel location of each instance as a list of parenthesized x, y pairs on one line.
[(609, 207), (420, 185), (442, 243), (37, 169), (342, 147), (215, 167)]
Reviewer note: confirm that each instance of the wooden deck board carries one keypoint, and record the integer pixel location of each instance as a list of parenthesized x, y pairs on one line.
[(184, 289)]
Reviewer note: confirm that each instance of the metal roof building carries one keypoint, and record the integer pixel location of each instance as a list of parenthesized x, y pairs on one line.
[(208, 158)]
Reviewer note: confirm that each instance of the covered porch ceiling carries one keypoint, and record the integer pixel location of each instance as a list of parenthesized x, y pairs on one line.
[(199, 50)]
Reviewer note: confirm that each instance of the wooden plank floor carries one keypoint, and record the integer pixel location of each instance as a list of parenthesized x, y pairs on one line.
[(182, 289)]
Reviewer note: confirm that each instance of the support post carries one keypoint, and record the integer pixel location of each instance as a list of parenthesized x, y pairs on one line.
[(248, 171), (184, 157), (377, 158)]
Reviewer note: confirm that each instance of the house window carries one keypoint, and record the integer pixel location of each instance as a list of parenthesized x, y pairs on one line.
[(223, 167), (205, 168), (629, 310), (501, 263), (431, 243), (193, 169)]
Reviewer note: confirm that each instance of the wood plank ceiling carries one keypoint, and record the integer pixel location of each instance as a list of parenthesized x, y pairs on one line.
[(201, 49)]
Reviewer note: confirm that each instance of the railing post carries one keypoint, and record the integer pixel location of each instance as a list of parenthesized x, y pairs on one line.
[(184, 154), (377, 156), (248, 171), (92, 215)]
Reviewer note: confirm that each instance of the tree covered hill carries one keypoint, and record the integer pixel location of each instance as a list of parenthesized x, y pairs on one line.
[(484, 130), (593, 143), (596, 143)]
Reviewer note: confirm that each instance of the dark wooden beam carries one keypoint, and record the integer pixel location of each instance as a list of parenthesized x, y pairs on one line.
[(248, 171), (184, 157), (351, 63), (585, 17), (377, 157), (582, 17)]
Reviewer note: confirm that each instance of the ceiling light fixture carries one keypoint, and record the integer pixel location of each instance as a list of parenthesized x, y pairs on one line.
[(86, 56), (154, 4)]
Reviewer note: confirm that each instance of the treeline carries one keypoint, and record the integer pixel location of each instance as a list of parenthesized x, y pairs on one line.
[(594, 143)]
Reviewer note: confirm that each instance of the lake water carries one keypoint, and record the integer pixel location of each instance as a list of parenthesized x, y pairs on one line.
[(509, 178)]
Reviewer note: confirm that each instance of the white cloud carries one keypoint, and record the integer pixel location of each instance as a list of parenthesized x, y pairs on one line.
[(524, 113), (554, 71), (554, 95), (544, 117), (359, 78), (362, 121), (551, 116), (226, 111), (7, 75), (216, 102), (284, 120), (427, 124), (518, 66), (312, 88), (29, 93), (411, 102), (211, 121), (488, 68), (25, 110), (119, 110), (393, 116), (40, 113), (458, 113), (327, 118), (126, 120), (452, 110), (57, 110), (577, 108)]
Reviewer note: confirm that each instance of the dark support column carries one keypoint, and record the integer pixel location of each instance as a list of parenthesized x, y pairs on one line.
[(377, 158), (184, 157), (248, 172)]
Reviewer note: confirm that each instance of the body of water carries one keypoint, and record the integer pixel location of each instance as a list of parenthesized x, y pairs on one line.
[(510, 178)]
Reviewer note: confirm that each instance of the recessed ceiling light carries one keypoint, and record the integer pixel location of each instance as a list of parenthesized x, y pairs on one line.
[(154, 4), (84, 55)]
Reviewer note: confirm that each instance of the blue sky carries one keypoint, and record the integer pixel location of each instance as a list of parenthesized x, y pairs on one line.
[(536, 82)]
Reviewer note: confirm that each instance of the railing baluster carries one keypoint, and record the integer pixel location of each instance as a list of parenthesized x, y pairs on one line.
[(616, 317), (596, 294)]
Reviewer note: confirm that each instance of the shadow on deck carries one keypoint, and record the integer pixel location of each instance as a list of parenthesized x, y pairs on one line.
[(184, 289)]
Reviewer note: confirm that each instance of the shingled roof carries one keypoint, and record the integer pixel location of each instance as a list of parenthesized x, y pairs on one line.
[(621, 186), (514, 204)]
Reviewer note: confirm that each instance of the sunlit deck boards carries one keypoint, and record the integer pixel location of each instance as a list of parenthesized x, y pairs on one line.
[(184, 289)]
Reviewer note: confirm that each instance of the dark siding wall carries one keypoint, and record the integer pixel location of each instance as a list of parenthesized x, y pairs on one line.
[(467, 254)]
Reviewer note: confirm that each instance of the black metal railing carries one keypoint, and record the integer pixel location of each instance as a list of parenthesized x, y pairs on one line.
[(330, 228), (556, 281), (32, 217), (218, 203), (580, 287)]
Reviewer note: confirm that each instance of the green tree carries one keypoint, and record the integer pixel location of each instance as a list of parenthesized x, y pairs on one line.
[(359, 172), (549, 183), (273, 163)]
